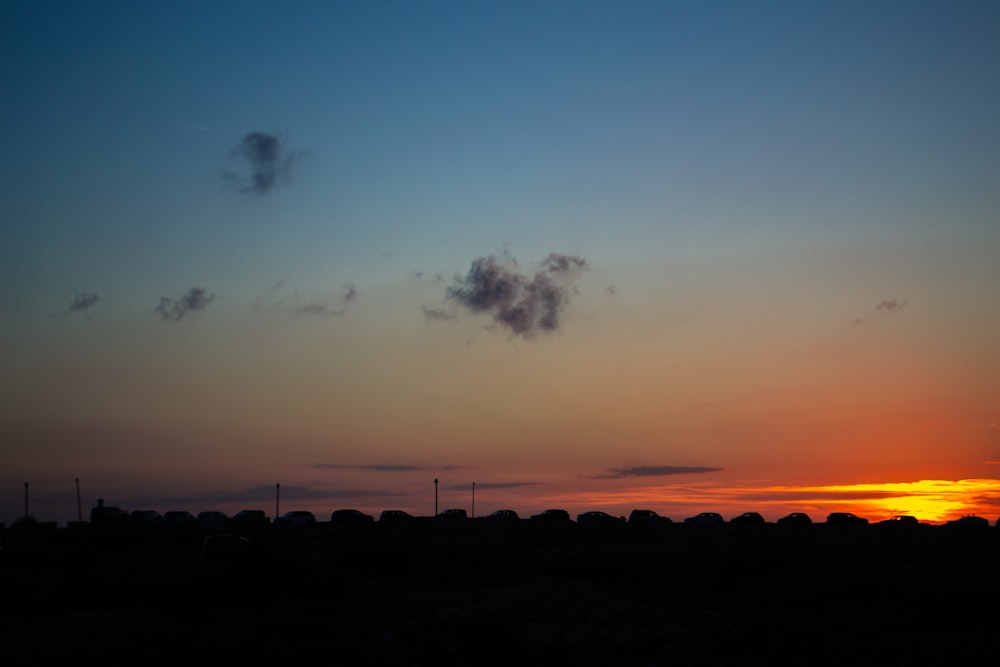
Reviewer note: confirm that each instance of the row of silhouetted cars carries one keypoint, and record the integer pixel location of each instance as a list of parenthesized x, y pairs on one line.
[(642, 517)]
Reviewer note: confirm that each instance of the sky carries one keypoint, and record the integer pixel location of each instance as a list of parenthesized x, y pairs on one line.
[(677, 255)]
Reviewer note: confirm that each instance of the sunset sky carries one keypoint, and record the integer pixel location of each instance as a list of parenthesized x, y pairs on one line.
[(688, 256)]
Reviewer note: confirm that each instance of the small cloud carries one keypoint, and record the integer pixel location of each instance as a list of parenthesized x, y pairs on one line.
[(376, 467), (268, 163), (611, 290), (887, 307), (652, 471), (487, 486), (172, 310), (350, 293), (524, 304), (82, 301), (438, 314), (319, 309), (993, 462)]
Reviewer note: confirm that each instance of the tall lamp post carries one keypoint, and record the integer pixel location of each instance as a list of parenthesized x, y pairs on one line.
[(435, 496)]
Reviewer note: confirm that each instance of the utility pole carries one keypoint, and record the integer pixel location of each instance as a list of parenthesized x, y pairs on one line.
[(435, 496)]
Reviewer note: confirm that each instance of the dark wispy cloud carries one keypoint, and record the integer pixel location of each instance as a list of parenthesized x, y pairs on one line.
[(523, 303), (318, 308), (887, 307), (260, 496), (322, 308), (652, 471), (267, 163), (377, 467), (82, 301), (173, 310), (487, 486), (433, 314)]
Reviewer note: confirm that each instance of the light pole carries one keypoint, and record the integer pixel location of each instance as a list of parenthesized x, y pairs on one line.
[(26, 500), (473, 500), (277, 499), (435, 496), (79, 507)]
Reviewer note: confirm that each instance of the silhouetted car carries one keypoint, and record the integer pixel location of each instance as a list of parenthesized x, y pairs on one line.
[(351, 516), (504, 515), (705, 519), (212, 518), (178, 516), (795, 519), (551, 515), (103, 514), (250, 518), (846, 519), (455, 514), (597, 517), (969, 521), (395, 515), (296, 518), (901, 520), (752, 518), (145, 517), (225, 547), (648, 518)]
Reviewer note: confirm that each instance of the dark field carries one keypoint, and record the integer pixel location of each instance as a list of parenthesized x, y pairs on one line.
[(476, 593)]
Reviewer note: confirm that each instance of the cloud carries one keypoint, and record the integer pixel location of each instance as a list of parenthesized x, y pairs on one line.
[(432, 314), (887, 307), (319, 308), (524, 304), (172, 310), (377, 467), (486, 486), (259, 495), (268, 163), (82, 301), (651, 471)]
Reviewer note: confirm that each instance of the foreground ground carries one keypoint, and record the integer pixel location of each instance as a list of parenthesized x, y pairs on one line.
[(476, 594)]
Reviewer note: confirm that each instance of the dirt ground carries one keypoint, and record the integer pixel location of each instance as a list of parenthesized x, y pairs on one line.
[(480, 594)]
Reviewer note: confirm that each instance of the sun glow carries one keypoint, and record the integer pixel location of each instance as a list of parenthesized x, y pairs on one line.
[(931, 501)]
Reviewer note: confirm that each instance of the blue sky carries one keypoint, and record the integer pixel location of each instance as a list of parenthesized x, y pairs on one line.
[(777, 169)]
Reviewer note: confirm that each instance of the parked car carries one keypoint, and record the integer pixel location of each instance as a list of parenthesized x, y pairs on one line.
[(597, 517), (846, 519), (551, 515), (969, 521), (179, 516), (351, 516), (504, 515), (104, 514), (296, 518), (901, 520), (212, 517), (648, 518), (705, 519), (752, 518), (795, 519), (395, 515), (251, 518), (145, 517), (456, 514)]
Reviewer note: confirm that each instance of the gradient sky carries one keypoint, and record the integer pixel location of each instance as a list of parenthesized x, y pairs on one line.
[(251, 243)]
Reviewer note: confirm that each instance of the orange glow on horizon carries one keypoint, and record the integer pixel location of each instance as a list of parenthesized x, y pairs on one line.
[(931, 501)]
